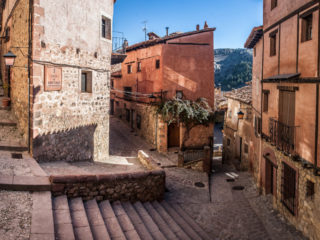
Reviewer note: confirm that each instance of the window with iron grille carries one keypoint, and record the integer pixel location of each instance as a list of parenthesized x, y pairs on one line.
[(306, 28), (288, 188)]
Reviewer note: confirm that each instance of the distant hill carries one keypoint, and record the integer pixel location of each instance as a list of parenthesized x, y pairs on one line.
[(233, 67)]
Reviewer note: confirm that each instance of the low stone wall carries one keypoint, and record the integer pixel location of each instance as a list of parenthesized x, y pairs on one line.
[(203, 164), (138, 186)]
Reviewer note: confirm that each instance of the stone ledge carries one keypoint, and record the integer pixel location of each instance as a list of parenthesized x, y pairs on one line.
[(24, 183)]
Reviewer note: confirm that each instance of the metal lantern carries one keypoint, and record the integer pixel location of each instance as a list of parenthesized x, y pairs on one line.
[(240, 115), (9, 58)]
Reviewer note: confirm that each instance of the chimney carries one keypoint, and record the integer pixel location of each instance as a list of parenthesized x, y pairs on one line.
[(125, 45), (198, 27), (167, 30), (205, 25)]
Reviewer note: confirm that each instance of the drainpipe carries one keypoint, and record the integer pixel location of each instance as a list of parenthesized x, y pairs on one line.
[(316, 132), (29, 72)]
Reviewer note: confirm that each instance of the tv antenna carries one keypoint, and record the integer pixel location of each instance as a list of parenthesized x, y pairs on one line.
[(145, 29)]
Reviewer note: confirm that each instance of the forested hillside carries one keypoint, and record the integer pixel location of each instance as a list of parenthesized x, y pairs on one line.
[(233, 67)]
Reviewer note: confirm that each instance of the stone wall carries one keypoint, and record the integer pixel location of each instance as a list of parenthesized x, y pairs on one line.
[(307, 216), (18, 43), (139, 186), (62, 116)]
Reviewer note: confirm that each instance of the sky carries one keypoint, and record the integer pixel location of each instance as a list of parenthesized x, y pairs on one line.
[(233, 19)]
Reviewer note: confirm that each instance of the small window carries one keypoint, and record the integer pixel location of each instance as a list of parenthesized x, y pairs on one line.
[(310, 189), (254, 52), (228, 142), (139, 67), (306, 30), (127, 93), (273, 45), (138, 120), (106, 28), (86, 82), (117, 103), (129, 68), (257, 126), (265, 101), (246, 148), (274, 4), (157, 64), (7, 36), (179, 94), (128, 115), (288, 188), (112, 84)]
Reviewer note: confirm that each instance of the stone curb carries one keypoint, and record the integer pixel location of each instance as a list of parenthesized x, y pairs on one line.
[(24, 183)]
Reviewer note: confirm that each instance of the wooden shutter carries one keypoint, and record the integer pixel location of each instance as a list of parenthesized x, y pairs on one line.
[(287, 107)]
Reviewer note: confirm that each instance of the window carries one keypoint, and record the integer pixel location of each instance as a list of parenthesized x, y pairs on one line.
[(306, 28), (257, 126), (228, 142), (157, 64), (139, 67), (106, 28), (138, 120), (288, 188), (265, 101), (127, 93), (246, 148), (129, 67), (274, 4), (7, 36), (310, 189), (273, 44), (254, 52), (112, 84), (86, 82)]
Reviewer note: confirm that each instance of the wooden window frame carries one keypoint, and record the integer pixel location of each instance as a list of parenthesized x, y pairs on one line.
[(86, 82), (306, 27), (106, 27)]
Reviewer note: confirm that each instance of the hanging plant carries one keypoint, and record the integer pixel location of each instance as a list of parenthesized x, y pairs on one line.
[(190, 113)]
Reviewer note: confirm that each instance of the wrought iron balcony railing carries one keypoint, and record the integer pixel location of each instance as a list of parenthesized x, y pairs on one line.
[(282, 136)]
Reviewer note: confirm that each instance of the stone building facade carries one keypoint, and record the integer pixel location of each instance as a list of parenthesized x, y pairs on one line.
[(286, 67), (237, 139), (177, 65), (66, 58)]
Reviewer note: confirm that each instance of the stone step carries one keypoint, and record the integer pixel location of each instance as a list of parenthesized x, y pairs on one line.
[(62, 219), (177, 230), (191, 222), (182, 223), (163, 226), (13, 146), (148, 221), (111, 221), (81, 227), (137, 221), (98, 227), (7, 122), (125, 222)]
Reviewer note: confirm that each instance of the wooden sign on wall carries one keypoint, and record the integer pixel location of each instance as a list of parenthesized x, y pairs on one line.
[(52, 78)]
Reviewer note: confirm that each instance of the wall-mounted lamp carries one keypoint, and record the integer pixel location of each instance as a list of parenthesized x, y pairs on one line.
[(240, 115), (9, 59)]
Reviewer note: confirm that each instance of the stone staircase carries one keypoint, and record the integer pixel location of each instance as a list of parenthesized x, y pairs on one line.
[(10, 137), (86, 220)]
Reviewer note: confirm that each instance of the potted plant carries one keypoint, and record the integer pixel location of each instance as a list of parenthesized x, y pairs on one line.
[(6, 100)]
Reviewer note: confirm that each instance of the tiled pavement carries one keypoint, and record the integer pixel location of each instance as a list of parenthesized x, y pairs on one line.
[(226, 214)]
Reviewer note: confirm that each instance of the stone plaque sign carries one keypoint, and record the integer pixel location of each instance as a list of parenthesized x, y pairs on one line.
[(52, 78)]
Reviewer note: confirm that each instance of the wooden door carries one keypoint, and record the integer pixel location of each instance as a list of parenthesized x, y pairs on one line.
[(173, 135)]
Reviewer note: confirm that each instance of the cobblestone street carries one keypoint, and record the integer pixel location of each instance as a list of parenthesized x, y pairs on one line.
[(226, 214)]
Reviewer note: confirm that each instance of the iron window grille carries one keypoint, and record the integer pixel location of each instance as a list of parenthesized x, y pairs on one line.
[(288, 188)]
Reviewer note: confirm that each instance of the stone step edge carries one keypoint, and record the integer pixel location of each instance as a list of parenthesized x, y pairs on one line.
[(42, 224), (17, 148), (8, 124), (24, 183)]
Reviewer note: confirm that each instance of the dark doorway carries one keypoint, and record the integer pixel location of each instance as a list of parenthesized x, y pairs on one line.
[(271, 177), (132, 122), (112, 107), (173, 135)]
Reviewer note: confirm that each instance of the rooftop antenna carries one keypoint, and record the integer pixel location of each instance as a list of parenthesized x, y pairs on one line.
[(145, 30)]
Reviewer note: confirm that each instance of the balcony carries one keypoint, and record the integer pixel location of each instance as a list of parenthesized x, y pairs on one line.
[(282, 136)]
